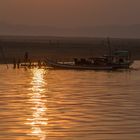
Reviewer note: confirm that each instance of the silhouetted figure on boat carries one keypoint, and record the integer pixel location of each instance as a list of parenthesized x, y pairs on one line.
[(39, 64), (82, 61)]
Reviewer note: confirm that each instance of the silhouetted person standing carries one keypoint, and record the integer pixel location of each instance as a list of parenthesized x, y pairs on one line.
[(39, 64)]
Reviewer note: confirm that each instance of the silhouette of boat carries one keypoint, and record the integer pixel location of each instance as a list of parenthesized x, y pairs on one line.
[(118, 60), (60, 65)]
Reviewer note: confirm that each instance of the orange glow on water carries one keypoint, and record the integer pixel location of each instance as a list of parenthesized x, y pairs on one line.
[(39, 108)]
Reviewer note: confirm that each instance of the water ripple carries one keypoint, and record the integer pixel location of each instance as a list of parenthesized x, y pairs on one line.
[(76, 105)]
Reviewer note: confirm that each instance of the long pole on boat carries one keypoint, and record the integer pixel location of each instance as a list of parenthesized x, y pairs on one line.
[(110, 49), (3, 55)]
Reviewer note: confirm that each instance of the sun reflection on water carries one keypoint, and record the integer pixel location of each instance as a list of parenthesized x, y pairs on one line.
[(38, 121)]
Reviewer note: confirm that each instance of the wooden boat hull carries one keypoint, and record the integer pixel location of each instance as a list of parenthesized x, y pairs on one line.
[(56, 65), (123, 65)]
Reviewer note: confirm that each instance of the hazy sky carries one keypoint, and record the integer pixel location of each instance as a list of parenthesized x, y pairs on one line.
[(70, 13)]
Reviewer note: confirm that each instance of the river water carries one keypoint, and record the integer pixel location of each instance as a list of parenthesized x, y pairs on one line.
[(41, 104)]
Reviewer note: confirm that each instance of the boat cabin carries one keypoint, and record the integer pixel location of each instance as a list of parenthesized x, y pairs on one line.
[(121, 57)]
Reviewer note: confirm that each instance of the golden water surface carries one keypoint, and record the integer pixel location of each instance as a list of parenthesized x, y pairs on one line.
[(41, 104)]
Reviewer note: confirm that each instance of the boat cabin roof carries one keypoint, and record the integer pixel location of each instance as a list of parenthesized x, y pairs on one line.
[(121, 53)]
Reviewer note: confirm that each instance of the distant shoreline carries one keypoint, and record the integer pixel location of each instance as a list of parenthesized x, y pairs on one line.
[(63, 48)]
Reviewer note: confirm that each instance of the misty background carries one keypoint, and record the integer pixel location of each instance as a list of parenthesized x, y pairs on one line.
[(64, 29), (92, 18)]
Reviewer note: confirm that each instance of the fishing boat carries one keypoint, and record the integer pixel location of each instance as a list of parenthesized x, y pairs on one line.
[(73, 65), (118, 60)]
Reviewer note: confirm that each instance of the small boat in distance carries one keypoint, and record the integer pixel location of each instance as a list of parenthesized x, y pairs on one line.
[(118, 60)]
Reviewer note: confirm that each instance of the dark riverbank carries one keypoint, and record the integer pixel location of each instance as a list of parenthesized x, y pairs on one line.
[(63, 48)]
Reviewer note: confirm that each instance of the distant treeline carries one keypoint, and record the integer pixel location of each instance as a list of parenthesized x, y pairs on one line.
[(62, 48)]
